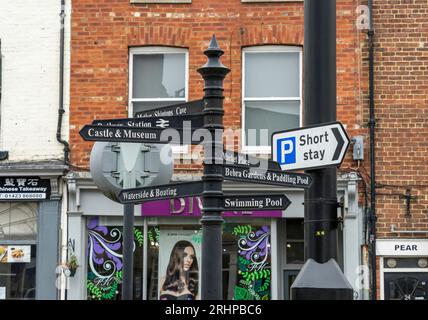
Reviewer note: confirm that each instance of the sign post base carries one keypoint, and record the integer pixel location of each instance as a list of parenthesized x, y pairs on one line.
[(321, 281)]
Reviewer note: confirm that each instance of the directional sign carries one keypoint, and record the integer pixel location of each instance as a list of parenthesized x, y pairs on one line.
[(235, 158), (255, 202), (176, 122), (310, 147), (166, 191), (137, 135), (263, 176), (181, 109)]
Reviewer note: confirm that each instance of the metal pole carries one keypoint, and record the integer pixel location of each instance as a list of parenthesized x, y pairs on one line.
[(320, 107), (128, 251), (213, 73), (320, 277), (128, 244)]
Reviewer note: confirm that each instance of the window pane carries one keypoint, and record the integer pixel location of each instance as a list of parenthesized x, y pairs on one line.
[(149, 105), (268, 117), (159, 75), (295, 229), (18, 220), (295, 253), (272, 74)]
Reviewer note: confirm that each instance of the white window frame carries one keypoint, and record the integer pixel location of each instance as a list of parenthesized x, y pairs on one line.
[(158, 50), (267, 49)]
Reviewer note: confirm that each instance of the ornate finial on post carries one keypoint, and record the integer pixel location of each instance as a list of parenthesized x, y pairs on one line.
[(213, 73), (213, 52)]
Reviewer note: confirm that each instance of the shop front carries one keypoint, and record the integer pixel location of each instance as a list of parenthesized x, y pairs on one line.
[(262, 250), (403, 269), (30, 207)]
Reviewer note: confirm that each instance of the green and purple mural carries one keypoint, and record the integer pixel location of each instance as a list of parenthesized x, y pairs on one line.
[(254, 265), (104, 254)]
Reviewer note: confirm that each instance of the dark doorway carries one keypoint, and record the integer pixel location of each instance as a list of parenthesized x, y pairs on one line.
[(406, 286)]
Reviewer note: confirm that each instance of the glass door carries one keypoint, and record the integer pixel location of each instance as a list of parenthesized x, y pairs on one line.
[(289, 277)]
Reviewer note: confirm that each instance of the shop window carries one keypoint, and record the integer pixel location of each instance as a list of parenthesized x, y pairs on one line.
[(246, 262), (18, 221), (17, 271), (174, 262), (105, 261), (18, 235), (271, 93), (295, 241)]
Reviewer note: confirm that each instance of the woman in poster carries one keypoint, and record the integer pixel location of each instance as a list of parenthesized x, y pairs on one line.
[(182, 274)]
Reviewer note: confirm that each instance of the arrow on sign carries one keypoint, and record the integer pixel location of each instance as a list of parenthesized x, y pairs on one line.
[(161, 192), (310, 147), (176, 122), (263, 176), (255, 202), (181, 109), (138, 135)]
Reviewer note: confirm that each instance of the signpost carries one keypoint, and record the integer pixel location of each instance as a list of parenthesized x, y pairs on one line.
[(166, 191), (310, 147), (137, 135), (180, 109), (151, 127), (271, 177), (176, 122), (255, 202)]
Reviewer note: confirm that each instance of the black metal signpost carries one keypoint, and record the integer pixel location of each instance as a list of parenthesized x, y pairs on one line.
[(213, 73), (255, 202), (219, 164)]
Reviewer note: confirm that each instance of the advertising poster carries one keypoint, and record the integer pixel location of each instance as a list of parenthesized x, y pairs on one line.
[(15, 254), (2, 293), (179, 264)]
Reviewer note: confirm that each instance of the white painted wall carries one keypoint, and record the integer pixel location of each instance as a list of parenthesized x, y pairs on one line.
[(30, 41)]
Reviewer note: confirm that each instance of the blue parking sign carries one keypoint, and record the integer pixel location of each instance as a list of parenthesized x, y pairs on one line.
[(286, 150)]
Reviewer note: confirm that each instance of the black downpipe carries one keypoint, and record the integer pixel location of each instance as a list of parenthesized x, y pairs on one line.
[(61, 110), (372, 124)]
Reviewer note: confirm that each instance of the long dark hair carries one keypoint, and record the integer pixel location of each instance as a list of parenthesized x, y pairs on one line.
[(175, 268)]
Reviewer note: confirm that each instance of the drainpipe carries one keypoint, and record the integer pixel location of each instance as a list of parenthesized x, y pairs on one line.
[(61, 110), (372, 124)]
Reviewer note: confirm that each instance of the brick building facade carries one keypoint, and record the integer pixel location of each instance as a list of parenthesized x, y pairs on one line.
[(108, 38), (400, 98)]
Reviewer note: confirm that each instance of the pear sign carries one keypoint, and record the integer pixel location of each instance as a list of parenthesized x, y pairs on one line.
[(310, 147)]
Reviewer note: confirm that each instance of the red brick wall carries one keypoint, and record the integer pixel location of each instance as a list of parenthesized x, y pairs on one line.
[(102, 33), (401, 102)]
